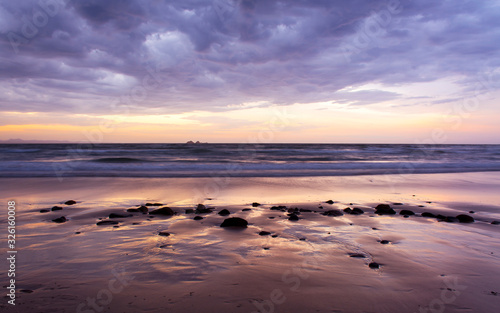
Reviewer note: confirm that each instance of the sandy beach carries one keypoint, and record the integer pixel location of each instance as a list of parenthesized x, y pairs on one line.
[(318, 263)]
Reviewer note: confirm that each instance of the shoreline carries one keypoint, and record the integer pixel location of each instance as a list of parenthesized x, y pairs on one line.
[(319, 263)]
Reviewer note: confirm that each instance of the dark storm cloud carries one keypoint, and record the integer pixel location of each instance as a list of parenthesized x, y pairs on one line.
[(79, 56)]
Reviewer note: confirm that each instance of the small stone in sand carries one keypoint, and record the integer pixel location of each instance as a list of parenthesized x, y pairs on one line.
[(278, 208), (428, 214), (266, 248), (463, 218), (164, 233), (374, 265), (61, 219), (107, 222), (224, 212), (406, 212), (332, 213), (293, 217), (56, 208), (163, 211), (330, 202), (374, 228), (357, 255), (302, 239), (384, 209), (70, 202), (271, 217), (44, 210), (397, 203), (255, 204), (119, 215), (234, 222), (201, 209), (495, 223), (355, 211), (274, 236), (264, 233), (384, 242), (246, 210), (472, 212), (197, 218), (77, 233)]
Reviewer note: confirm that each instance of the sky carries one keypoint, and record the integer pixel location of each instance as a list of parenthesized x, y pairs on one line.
[(255, 71)]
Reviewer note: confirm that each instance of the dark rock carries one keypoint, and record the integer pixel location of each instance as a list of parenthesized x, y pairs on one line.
[(119, 215), (293, 217), (374, 265), (164, 233), (224, 212), (463, 218), (374, 228), (189, 211), (290, 210), (330, 202), (448, 219), (264, 233), (56, 208), (472, 212), (107, 222), (266, 248), (302, 239), (333, 213), (143, 209), (255, 204), (278, 208), (116, 226), (271, 217), (406, 212), (197, 218), (384, 242), (234, 222), (320, 207), (44, 210), (246, 210), (163, 211), (355, 211), (397, 203), (78, 233), (384, 209), (70, 202), (357, 255), (153, 204), (274, 236), (495, 223), (201, 209), (428, 214), (305, 210), (406, 216), (296, 213), (421, 206), (61, 219)]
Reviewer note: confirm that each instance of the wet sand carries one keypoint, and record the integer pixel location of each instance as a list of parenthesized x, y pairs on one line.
[(316, 264)]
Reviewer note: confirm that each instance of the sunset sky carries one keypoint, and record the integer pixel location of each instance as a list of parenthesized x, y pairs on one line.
[(325, 71)]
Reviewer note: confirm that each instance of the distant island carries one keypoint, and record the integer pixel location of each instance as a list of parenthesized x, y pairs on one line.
[(190, 142)]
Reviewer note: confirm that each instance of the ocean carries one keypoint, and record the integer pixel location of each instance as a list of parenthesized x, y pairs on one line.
[(242, 160)]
